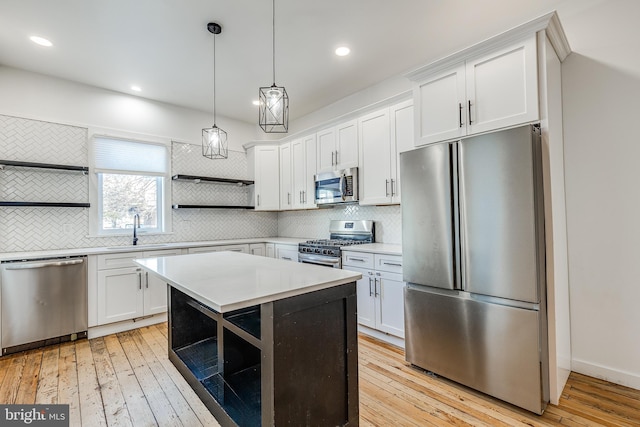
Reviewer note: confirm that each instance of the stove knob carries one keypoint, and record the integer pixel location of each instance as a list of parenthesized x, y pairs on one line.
[(318, 251)]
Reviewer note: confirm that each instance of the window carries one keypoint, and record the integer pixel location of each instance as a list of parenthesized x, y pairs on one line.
[(132, 178)]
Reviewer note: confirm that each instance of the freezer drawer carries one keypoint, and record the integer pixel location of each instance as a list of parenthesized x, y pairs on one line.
[(489, 347)]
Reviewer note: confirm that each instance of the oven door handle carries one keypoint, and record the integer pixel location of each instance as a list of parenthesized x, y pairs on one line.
[(324, 260)]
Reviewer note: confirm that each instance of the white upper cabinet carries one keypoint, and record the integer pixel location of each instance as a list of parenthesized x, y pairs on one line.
[(481, 93), (264, 169), (286, 185), (383, 135), (338, 147), (303, 165), (502, 87), (441, 103)]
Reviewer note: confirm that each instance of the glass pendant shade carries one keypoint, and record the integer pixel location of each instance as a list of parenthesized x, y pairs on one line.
[(214, 143), (274, 109)]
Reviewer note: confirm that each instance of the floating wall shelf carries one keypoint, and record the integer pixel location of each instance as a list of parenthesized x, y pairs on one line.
[(198, 179), (65, 168), (211, 207), (45, 204), (13, 163)]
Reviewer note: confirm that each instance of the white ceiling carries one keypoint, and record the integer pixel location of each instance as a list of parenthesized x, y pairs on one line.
[(164, 47)]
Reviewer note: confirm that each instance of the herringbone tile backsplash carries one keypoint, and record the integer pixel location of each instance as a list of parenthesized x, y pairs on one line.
[(45, 228)]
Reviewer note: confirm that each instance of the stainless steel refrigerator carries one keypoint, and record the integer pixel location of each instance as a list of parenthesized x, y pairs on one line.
[(474, 262)]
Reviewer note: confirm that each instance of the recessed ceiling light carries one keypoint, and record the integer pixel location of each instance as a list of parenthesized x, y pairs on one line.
[(41, 41), (255, 102), (136, 88), (343, 51)]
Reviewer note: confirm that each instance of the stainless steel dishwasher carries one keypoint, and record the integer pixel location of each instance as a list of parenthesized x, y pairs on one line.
[(43, 302)]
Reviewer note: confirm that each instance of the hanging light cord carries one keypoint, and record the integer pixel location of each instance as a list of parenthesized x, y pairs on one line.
[(214, 79), (273, 38)]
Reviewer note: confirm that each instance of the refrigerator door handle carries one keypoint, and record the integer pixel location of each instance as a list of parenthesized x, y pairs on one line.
[(458, 218)]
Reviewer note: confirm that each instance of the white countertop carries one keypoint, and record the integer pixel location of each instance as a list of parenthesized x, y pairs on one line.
[(6, 256), (227, 281), (375, 248)]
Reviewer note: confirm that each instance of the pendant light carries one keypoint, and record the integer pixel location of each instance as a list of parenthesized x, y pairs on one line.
[(214, 139), (273, 100)]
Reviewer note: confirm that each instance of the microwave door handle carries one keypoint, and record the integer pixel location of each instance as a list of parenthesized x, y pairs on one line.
[(343, 189)]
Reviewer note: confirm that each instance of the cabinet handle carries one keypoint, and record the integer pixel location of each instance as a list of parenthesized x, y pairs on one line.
[(336, 157), (386, 187), (146, 279), (258, 200), (470, 121), (301, 198), (460, 113), (304, 197), (370, 290), (333, 153), (288, 198), (139, 280), (394, 264), (356, 259), (375, 279), (393, 191)]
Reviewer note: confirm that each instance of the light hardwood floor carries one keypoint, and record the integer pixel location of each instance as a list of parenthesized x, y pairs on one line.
[(127, 380)]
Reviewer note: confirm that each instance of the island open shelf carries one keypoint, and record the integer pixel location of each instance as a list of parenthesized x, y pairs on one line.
[(292, 361)]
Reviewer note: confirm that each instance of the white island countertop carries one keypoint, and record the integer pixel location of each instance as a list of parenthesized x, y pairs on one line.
[(227, 281)]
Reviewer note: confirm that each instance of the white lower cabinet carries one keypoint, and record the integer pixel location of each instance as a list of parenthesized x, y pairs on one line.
[(244, 248), (286, 252), (125, 291), (271, 250), (258, 249), (380, 292)]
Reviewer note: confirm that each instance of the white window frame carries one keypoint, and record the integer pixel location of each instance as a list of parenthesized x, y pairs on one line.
[(95, 194)]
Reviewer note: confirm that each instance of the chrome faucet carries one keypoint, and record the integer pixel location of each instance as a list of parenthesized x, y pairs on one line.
[(135, 236)]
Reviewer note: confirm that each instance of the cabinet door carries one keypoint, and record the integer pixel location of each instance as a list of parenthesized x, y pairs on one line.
[(440, 106), (271, 250), (347, 145), (120, 295), (257, 249), (286, 188), (503, 87), (402, 140), (298, 172), (267, 178), (375, 158), (326, 141), (155, 289), (365, 293), (390, 303), (309, 192)]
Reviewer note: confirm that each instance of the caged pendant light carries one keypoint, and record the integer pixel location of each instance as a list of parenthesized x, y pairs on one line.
[(273, 100), (214, 139)]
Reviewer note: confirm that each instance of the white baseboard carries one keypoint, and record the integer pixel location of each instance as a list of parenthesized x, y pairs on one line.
[(127, 325), (398, 342), (627, 379)]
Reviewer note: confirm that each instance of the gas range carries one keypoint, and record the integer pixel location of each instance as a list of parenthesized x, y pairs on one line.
[(342, 233)]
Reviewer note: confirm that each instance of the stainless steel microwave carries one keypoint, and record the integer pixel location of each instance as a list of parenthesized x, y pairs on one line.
[(337, 187)]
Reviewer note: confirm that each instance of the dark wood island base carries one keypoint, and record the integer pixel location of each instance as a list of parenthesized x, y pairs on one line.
[(293, 361)]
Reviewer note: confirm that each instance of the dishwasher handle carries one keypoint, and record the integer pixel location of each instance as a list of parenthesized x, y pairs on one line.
[(29, 265)]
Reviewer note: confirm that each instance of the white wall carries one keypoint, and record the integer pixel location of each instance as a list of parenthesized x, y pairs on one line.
[(31, 95), (603, 208)]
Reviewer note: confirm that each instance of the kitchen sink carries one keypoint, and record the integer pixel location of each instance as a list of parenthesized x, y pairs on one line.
[(157, 245)]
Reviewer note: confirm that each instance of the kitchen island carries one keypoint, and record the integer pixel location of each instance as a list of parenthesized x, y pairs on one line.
[(263, 341)]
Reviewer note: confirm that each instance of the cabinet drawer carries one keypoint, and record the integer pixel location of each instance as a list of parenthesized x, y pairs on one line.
[(390, 263), (357, 259), (119, 260)]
